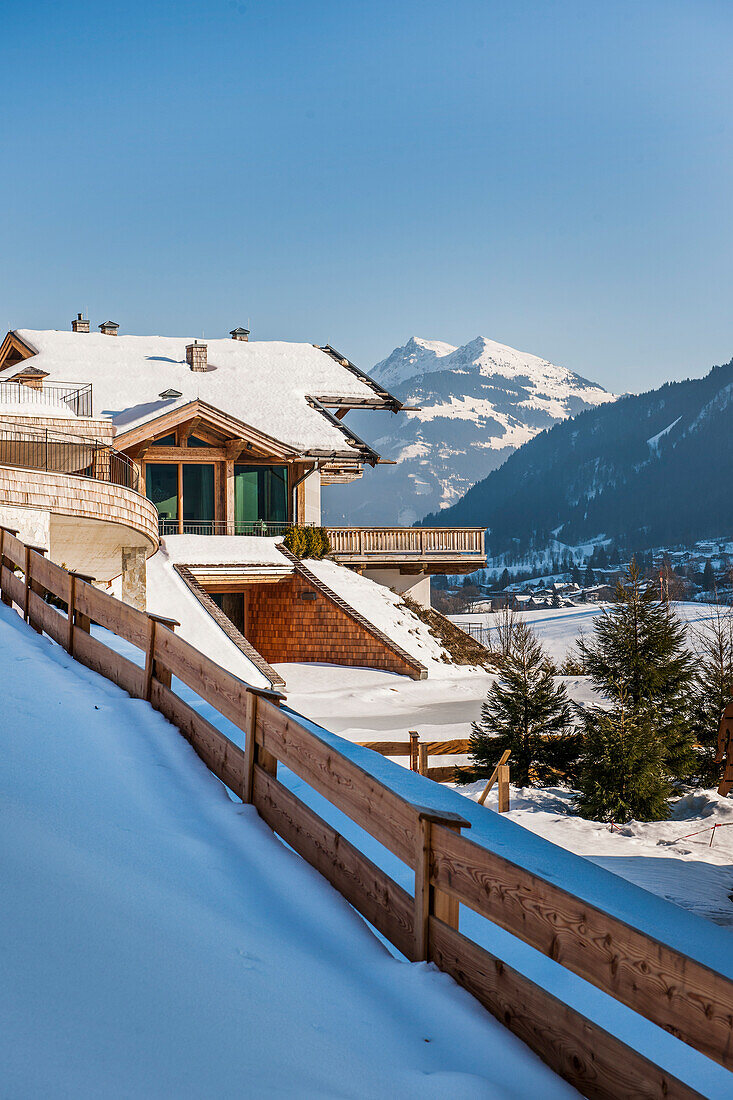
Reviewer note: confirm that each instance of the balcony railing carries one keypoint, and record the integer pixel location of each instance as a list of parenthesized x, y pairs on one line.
[(57, 452), (378, 542), (254, 528), (61, 395)]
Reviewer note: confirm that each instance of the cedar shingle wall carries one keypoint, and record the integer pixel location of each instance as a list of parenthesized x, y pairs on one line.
[(284, 627)]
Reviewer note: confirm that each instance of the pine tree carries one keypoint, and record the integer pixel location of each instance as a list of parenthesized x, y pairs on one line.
[(712, 688), (504, 579), (526, 712), (621, 769), (638, 654), (708, 577), (589, 577)]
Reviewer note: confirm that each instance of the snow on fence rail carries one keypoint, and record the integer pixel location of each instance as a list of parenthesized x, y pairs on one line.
[(667, 987)]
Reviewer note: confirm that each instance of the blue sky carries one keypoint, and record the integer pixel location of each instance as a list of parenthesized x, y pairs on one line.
[(553, 175)]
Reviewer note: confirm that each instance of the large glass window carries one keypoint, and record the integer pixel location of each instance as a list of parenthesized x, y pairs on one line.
[(260, 494), (161, 486), (198, 494)]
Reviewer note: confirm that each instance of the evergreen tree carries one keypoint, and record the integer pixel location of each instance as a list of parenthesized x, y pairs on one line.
[(622, 767), (589, 577), (576, 576), (504, 580), (526, 712), (712, 688), (637, 658), (556, 601), (708, 577)]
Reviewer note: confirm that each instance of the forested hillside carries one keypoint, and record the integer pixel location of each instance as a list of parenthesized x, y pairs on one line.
[(649, 469)]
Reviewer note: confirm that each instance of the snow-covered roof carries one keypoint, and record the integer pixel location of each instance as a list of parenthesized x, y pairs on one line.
[(265, 384)]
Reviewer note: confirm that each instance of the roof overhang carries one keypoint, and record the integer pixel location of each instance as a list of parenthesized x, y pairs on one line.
[(383, 398)]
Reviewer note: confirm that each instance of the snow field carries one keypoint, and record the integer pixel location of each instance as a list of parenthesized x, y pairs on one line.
[(159, 940)]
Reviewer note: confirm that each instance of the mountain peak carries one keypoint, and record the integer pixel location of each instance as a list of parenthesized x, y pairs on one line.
[(418, 356), (475, 405)]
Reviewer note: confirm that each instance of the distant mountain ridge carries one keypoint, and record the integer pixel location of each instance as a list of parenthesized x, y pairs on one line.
[(648, 470), (477, 404)]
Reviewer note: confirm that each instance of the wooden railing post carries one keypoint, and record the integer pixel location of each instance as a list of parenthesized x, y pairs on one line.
[(82, 621), (503, 779), (27, 595), (422, 760), (429, 901), (249, 747), (71, 612), (32, 585), (494, 776), (4, 596), (153, 668), (414, 749)]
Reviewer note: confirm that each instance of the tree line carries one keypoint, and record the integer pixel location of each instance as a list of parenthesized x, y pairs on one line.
[(654, 730)]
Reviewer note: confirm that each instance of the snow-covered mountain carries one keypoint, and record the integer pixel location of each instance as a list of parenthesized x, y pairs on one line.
[(654, 469), (477, 404)]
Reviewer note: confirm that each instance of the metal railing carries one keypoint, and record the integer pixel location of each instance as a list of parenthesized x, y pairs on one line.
[(477, 631), (67, 395), (219, 527), (56, 452)]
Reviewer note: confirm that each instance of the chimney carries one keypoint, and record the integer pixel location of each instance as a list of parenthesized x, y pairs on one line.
[(79, 325), (240, 334), (196, 356), (109, 328)]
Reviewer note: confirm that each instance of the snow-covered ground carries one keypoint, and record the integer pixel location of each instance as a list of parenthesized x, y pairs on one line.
[(159, 941), (364, 705), (558, 630), (153, 945)]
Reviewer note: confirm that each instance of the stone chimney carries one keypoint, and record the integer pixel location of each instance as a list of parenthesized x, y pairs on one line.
[(240, 334), (196, 356), (79, 324), (109, 328)]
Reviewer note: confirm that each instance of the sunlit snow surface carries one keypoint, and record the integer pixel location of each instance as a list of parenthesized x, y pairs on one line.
[(159, 941)]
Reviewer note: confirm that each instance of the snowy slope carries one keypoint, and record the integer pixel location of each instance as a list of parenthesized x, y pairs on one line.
[(159, 941), (478, 403)]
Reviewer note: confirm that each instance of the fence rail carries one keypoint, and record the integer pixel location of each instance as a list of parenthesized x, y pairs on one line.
[(420, 752), (73, 396), (57, 452), (376, 541), (669, 988)]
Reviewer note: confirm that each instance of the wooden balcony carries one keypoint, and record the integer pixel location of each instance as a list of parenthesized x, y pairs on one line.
[(418, 549)]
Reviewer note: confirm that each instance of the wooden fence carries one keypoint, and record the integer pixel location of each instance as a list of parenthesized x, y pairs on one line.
[(420, 752), (673, 990)]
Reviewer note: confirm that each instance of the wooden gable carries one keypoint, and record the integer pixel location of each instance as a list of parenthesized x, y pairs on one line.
[(13, 350), (227, 437)]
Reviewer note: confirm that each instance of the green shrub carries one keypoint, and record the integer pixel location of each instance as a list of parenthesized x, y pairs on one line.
[(307, 542)]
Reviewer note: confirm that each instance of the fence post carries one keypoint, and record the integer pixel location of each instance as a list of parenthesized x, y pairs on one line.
[(4, 596), (503, 779), (494, 776), (422, 760), (71, 611), (82, 621), (153, 668), (430, 902), (27, 596), (249, 747), (414, 749)]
